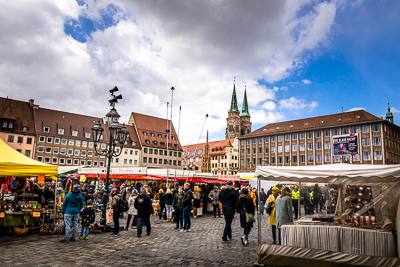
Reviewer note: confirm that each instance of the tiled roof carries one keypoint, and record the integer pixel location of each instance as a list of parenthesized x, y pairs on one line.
[(153, 125), (20, 112), (132, 137), (218, 146), (191, 148), (339, 119)]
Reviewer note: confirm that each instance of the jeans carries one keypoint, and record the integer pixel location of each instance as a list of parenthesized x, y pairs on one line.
[(162, 207), (262, 207), (186, 217), (215, 207), (144, 221), (247, 231), (116, 222), (134, 220), (85, 229), (179, 218), (168, 211), (68, 219), (228, 226)]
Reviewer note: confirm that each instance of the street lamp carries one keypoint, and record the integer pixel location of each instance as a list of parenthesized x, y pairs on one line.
[(118, 136)]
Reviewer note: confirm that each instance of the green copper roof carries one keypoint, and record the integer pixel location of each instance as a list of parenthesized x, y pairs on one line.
[(234, 106), (389, 114), (245, 108)]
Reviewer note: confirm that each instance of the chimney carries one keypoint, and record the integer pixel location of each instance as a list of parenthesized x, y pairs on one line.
[(31, 102)]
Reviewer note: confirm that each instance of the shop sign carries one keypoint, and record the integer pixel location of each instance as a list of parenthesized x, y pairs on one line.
[(2, 215), (36, 214), (345, 145), (41, 178)]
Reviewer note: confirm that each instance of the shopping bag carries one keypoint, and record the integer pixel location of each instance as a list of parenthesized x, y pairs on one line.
[(109, 217), (250, 218)]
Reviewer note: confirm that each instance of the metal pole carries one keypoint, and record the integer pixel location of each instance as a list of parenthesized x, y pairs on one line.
[(299, 205), (168, 131), (258, 211), (105, 203)]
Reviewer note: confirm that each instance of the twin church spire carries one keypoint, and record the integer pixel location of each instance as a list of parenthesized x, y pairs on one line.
[(234, 105)]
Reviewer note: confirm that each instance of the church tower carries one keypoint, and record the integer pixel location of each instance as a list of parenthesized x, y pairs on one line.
[(245, 123), (206, 161), (389, 114), (233, 120)]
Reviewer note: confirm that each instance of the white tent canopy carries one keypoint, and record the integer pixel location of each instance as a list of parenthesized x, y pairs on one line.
[(331, 173)]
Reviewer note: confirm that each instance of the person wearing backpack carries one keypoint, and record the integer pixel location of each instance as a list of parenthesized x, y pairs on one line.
[(116, 207), (88, 217)]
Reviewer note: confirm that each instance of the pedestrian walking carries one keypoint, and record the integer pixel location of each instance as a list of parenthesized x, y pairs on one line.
[(295, 201), (73, 203), (245, 205), (132, 212), (144, 209), (168, 205), (324, 191), (263, 200), (177, 203), (272, 217), (284, 210), (115, 206), (187, 207), (308, 202), (88, 218), (228, 197), (214, 196), (161, 197)]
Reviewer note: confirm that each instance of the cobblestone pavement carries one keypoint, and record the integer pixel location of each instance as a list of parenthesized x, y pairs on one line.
[(164, 247)]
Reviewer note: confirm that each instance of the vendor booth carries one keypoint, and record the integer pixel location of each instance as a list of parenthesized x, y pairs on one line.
[(361, 230), (23, 204)]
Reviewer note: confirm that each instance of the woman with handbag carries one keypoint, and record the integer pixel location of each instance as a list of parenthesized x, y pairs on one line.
[(245, 206), (272, 215)]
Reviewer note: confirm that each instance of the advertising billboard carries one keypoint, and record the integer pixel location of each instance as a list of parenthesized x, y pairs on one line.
[(345, 145)]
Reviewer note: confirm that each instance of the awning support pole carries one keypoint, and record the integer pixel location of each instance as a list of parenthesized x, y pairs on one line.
[(258, 212), (299, 204)]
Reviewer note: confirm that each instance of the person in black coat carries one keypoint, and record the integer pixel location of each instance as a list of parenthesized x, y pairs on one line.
[(161, 197), (245, 205), (263, 200), (228, 197), (187, 207), (144, 209)]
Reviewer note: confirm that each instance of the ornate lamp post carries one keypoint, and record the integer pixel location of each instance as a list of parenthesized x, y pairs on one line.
[(118, 136)]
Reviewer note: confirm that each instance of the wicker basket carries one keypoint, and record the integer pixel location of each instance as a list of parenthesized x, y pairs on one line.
[(21, 230), (34, 229)]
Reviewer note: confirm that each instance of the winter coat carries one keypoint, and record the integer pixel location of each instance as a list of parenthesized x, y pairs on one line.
[(177, 203), (228, 197), (215, 196), (73, 203), (253, 196), (243, 206), (162, 199), (187, 198), (115, 203), (144, 206), (88, 215), (132, 210), (168, 199), (123, 193), (284, 211), (272, 216), (263, 197)]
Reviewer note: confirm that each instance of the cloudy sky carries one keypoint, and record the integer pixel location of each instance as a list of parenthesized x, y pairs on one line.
[(298, 58)]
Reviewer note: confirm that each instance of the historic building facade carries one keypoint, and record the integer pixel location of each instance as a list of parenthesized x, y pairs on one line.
[(309, 141)]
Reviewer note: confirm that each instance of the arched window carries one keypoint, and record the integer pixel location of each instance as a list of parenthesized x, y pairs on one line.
[(10, 125), (5, 124)]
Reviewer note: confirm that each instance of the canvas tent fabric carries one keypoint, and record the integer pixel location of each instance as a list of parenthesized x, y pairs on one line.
[(13, 163), (331, 173)]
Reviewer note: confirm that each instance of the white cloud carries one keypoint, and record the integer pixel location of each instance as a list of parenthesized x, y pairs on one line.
[(294, 103), (395, 110), (197, 47), (355, 109), (306, 81)]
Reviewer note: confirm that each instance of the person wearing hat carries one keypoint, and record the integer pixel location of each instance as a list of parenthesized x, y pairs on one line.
[(116, 210), (214, 196), (72, 205), (88, 218), (263, 200), (272, 217)]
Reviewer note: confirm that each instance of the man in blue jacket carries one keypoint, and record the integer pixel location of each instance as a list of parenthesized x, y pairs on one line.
[(72, 205)]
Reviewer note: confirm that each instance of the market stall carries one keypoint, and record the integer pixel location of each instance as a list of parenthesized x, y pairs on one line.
[(365, 217), (22, 200)]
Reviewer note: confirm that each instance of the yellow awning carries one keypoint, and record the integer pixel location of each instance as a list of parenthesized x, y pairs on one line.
[(13, 163)]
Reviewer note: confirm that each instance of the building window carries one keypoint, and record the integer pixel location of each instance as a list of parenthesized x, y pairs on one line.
[(77, 152), (272, 160), (125, 161), (10, 125), (356, 157), (327, 133), (130, 162), (294, 136), (336, 158), (39, 158), (87, 134), (47, 160), (104, 146), (78, 143), (365, 141), (56, 141), (46, 129), (69, 161), (150, 151), (40, 148), (279, 138), (376, 128), (27, 153), (71, 142), (327, 145), (61, 131), (318, 134), (29, 140), (354, 130), (287, 148), (70, 151), (335, 131), (302, 146), (309, 146), (327, 157), (74, 133), (89, 163), (294, 159), (84, 143), (76, 161), (310, 158), (55, 150), (346, 158), (377, 155), (266, 139), (20, 139), (147, 142), (64, 141), (367, 155), (62, 151), (83, 153), (345, 130), (318, 158), (294, 147), (145, 159), (254, 150), (42, 139), (173, 138), (135, 161), (61, 161), (287, 137), (302, 159), (377, 141), (259, 150), (287, 159), (116, 160), (309, 135), (49, 140), (266, 150), (19, 150), (365, 128), (10, 139), (54, 160), (318, 145), (272, 138), (302, 136), (279, 149)]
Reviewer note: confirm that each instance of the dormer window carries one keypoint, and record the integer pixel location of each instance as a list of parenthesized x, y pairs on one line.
[(159, 135), (87, 134), (290, 126), (133, 143), (74, 133), (173, 138), (155, 142), (46, 129), (61, 131), (152, 134), (339, 119), (305, 124), (5, 124), (144, 133), (24, 128), (147, 141)]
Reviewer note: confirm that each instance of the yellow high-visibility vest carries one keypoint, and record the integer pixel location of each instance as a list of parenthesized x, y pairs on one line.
[(312, 195), (295, 194)]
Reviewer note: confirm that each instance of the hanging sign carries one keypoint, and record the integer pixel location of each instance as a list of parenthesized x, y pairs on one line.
[(36, 214), (41, 178)]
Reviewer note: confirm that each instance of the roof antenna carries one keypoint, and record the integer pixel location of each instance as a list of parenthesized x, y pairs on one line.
[(342, 109)]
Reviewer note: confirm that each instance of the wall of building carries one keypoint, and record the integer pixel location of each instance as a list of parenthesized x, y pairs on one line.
[(25, 144)]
